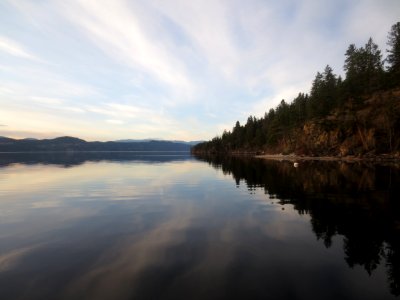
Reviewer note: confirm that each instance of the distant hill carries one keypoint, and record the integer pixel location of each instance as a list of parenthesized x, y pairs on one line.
[(67, 143), (136, 141), (149, 140)]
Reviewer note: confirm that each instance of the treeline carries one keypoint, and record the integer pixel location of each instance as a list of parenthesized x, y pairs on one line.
[(360, 111)]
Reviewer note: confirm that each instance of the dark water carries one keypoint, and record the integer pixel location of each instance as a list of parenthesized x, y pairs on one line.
[(170, 226)]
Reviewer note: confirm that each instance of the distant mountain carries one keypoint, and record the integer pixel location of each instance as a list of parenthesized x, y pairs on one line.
[(136, 141), (192, 143), (67, 143), (4, 139)]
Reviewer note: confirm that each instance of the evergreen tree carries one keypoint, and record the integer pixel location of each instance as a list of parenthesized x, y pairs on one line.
[(329, 93), (393, 58), (351, 62), (329, 90), (299, 108), (364, 69), (315, 96), (372, 61), (323, 93)]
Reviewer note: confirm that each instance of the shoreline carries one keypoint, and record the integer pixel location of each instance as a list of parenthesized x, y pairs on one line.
[(294, 158)]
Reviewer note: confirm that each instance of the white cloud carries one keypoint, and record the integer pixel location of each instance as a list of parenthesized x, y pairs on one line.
[(47, 100), (115, 122), (132, 114), (45, 85), (117, 29), (72, 109), (178, 69), (207, 24), (370, 18), (13, 48)]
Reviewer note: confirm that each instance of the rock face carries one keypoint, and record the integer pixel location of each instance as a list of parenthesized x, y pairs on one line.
[(367, 128)]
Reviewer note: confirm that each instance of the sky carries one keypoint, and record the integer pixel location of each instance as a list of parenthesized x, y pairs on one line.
[(168, 69)]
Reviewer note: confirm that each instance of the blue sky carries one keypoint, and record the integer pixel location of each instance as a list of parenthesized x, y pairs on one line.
[(186, 70)]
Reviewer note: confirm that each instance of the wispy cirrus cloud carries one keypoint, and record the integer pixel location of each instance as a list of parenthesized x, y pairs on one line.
[(47, 100), (11, 47), (116, 28), (173, 69), (21, 134), (116, 122)]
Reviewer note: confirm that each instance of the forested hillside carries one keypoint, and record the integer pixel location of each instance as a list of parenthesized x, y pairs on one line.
[(356, 115)]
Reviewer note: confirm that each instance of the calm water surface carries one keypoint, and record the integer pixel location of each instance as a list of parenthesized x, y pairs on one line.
[(170, 226)]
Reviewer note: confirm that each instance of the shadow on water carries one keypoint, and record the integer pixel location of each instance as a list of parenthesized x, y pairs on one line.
[(360, 202)]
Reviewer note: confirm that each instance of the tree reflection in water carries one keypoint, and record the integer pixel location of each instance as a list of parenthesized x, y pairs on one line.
[(355, 200)]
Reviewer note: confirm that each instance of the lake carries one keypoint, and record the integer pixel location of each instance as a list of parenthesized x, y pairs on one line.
[(172, 226)]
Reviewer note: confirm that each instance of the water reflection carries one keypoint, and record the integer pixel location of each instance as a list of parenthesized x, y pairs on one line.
[(109, 227), (357, 200), (76, 158)]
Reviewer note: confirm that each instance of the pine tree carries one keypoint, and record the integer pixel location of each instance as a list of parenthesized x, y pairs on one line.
[(364, 69), (393, 58), (372, 62), (329, 90)]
